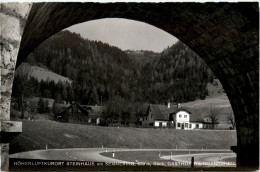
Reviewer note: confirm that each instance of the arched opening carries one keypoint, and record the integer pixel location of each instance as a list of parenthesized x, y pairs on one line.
[(210, 30), (82, 61)]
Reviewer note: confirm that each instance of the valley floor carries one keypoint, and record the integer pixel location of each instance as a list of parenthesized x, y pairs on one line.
[(37, 135)]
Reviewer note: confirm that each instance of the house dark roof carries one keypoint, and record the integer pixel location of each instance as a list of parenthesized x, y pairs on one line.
[(94, 110), (181, 109), (82, 109), (86, 109), (70, 106), (161, 111), (196, 117)]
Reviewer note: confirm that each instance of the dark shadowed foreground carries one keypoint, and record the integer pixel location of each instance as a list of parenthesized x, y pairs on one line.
[(36, 134)]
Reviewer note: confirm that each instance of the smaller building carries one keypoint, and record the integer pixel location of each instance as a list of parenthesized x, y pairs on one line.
[(157, 116), (76, 113), (94, 113)]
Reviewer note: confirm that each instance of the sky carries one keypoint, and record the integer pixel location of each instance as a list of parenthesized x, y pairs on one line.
[(125, 34)]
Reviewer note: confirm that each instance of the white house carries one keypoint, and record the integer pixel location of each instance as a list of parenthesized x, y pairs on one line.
[(174, 117), (184, 119)]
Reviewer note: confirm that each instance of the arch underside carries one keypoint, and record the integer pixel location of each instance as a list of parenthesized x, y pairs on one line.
[(224, 35)]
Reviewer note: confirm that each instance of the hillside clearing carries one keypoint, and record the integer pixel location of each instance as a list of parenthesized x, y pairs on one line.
[(41, 73), (36, 134), (220, 101)]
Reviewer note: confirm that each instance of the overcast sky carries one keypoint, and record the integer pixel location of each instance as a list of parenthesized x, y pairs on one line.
[(125, 34)]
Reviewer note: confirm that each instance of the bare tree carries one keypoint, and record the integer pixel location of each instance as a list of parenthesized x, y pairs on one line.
[(25, 87), (32, 108), (231, 120), (117, 109), (214, 116)]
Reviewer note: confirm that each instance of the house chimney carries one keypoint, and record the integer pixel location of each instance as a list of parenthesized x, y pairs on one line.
[(178, 105), (169, 104)]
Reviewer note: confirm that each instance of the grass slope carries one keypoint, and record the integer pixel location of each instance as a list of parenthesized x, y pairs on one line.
[(41, 73), (36, 134), (220, 101), (215, 88)]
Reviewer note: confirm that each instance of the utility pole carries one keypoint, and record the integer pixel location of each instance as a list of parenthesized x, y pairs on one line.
[(101, 101)]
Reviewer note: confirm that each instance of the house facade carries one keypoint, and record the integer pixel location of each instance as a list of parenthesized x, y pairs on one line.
[(84, 114), (157, 116), (184, 119), (94, 114), (171, 117)]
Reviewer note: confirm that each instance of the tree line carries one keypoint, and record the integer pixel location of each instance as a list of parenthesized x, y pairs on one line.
[(98, 68), (101, 72)]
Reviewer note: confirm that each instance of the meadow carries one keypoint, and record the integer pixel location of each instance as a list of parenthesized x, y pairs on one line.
[(56, 135)]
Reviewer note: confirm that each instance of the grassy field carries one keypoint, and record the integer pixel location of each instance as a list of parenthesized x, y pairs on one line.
[(41, 73), (215, 88), (220, 102), (36, 134)]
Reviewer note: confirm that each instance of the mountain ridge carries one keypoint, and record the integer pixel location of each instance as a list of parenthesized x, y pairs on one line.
[(139, 76)]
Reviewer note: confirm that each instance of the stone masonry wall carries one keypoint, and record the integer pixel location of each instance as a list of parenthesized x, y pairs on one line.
[(13, 19)]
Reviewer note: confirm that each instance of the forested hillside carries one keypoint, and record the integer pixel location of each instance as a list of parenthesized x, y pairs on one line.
[(100, 70)]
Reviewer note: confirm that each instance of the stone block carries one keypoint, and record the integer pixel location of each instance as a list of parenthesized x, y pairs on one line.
[(6, 87), (248, 53), (11, 126), (5, 108), (4, 157), (9, 56), (10, 27), (4, 71), (20, 8)]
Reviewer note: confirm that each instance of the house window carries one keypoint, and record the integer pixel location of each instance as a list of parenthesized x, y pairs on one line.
[(168, 124), (185, 116), (197, 125), (186, 125), (178, 124), (189, 125), (180, 116)]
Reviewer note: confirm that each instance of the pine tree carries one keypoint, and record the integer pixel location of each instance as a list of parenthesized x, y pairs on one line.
[(46, 106), (93, 97), (64, 94), (70, 93), (41, 106)]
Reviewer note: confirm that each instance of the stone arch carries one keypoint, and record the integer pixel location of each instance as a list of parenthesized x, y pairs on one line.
[(224, 35)]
